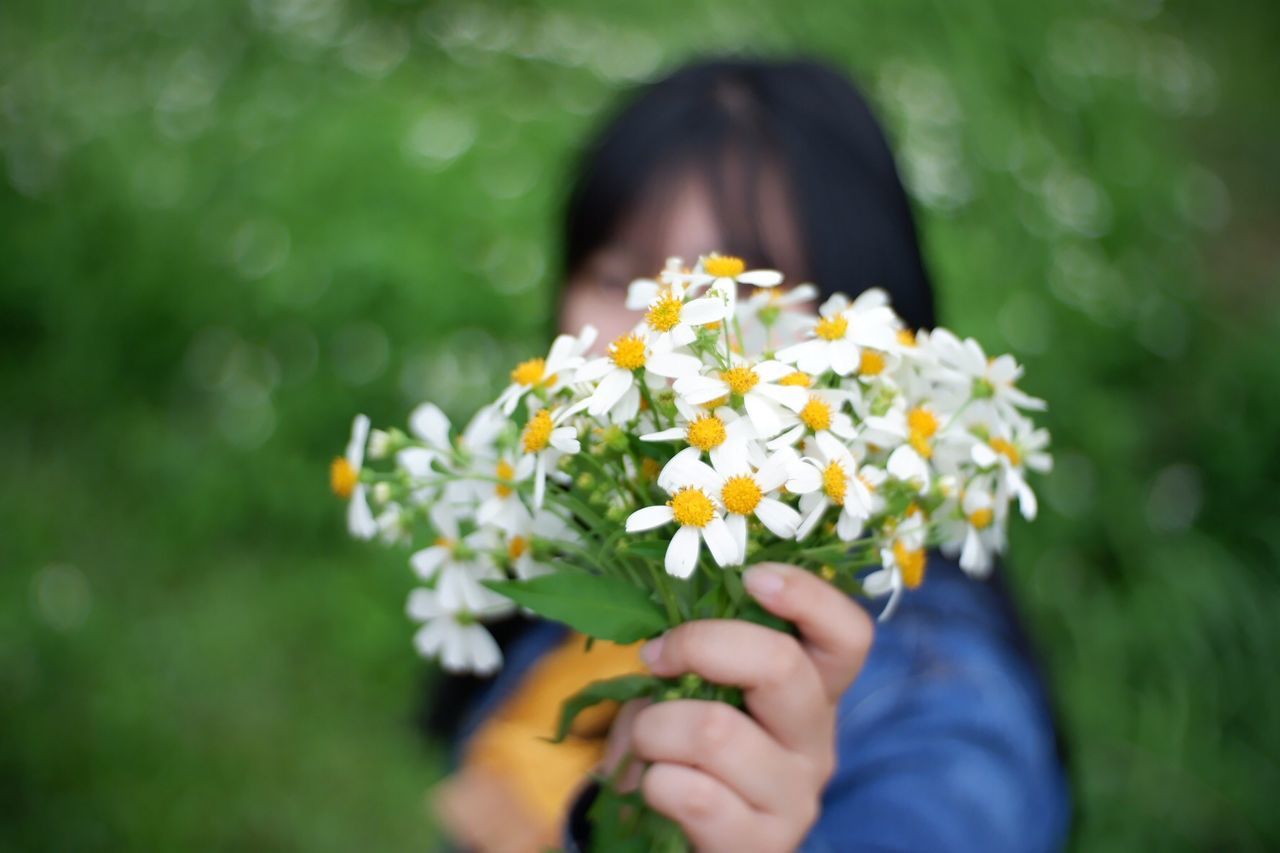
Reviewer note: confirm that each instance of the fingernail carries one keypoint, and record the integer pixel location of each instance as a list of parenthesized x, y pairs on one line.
[(762, 582), (652, 650)]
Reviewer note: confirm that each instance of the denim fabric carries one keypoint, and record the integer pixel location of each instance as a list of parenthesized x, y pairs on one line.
[(945, 741)]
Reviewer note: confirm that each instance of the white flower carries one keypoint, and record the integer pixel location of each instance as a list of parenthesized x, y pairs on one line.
[(978, 535), (546, 438), (452, 631), (740, 487), (902, 560), (845, 484), (671, 319), (500, 503), (841, 330), (700, 516), (722, 274), (907, 465), (615, 373), (756, 384), (548, 373), (344, 478), (769, 315), (1011, 448), (450, 545), (711, 432), (823, 412), (989, 378)]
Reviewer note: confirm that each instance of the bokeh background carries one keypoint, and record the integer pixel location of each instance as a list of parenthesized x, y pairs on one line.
[(227, 226)]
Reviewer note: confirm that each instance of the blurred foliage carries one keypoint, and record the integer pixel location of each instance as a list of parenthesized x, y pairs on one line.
[(227, 226)]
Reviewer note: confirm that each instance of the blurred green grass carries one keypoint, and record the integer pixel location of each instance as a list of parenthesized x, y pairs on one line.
[(225, 227)]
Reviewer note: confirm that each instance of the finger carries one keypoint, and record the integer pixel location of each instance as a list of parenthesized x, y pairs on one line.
[(835, 631), (780, 683), (620, 745), (711, 815), (727, 744)]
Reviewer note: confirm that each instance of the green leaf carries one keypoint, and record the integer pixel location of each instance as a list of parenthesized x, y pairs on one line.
[(619, 689), (649, 549), (602, 607)]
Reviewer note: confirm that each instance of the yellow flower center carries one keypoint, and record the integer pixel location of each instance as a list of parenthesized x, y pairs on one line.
[(832, 328), (529, 373), (827, 573), (650, 469), (505, 475), (921, 426), (740, 379), (444, 542), (910, 563), (707, 432), (1005, 448), (537, 433), (724, 266), (665, 313), (906, 337), (871, 363), (628, 352), (516, 547), (981, 518), (343, 478), (797, 378), (741, 495), (691, 507), (835, 482), (816, 414)]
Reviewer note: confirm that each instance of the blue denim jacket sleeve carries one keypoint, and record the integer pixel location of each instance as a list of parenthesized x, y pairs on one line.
[(944, 743)]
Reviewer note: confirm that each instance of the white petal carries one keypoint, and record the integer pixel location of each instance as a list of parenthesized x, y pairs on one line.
[(664, 435), (737, 525), (844, 357), (360, 521), (422, 605), (427, 561), (848, 526), (609, 391), (788, 395), (907, 465), (764, 415), (594, 370), (483, 655), (682, 553), (761, 278), (430, 637), (803, 478), (772, 370), (673, 364), (700, 389), (359, 436), (565, 439), (720, 542), (430, 424), (811, 520), (702, 311), (648, 518), (778, 517), (539, 481), (795, 352)]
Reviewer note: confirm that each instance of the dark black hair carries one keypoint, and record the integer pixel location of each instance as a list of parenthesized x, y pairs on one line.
[(728, 122)]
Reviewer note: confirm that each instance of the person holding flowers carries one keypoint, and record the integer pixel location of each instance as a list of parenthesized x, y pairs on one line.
[(767, 483)]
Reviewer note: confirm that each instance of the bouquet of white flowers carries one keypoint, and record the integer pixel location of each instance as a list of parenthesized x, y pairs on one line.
[(622, 494)]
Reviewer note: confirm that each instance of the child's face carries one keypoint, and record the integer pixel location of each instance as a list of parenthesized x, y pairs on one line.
[(684, 224), (685, 228)]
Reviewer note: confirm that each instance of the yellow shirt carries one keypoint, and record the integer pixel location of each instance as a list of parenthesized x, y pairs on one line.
[(514, 786)]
